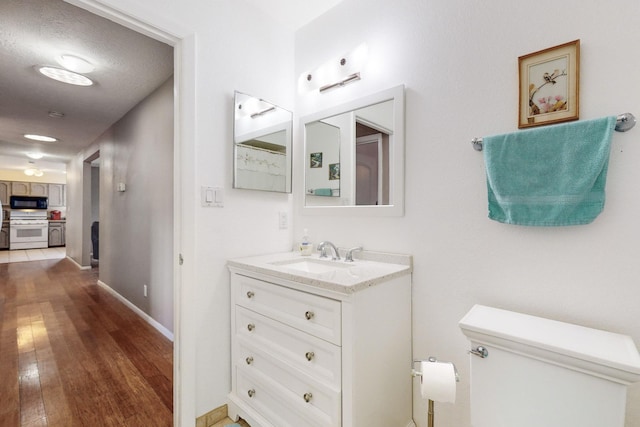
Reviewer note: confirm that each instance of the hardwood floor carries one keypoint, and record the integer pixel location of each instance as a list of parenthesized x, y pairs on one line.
[(73, 355)]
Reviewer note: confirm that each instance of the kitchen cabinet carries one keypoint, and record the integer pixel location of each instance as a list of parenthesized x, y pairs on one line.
[(29, 189), (307, 357), (20, 188), (38, 189), (5, 192), (56, 195), (56, 233), (4, 235), (55, 192)]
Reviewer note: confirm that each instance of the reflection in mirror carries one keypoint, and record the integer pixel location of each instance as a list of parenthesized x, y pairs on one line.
[(364, 141), (262, 145)]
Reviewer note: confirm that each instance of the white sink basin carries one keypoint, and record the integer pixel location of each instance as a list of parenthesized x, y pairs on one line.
[(313, 266)]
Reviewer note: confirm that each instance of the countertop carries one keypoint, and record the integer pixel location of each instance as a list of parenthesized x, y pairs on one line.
[(368, 269), (57, 220)]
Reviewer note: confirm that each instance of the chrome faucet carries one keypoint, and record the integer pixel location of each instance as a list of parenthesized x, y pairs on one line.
[(322, 247), (349, 256)]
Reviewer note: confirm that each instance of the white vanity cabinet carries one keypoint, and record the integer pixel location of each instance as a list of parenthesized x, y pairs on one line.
[(308, 356)]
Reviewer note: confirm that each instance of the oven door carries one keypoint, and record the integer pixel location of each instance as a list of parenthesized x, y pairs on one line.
[(25, 234)]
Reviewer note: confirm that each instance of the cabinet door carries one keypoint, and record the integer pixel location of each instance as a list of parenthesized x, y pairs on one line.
[(55, 235), (5, 193), (39, 189), (63, 233), (20, 188), (4, 238), (56, 195)]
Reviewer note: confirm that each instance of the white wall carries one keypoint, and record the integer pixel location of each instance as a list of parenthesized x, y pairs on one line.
[(458, 60)]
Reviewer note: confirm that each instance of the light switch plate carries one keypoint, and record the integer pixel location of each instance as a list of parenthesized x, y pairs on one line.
[(211, 197)]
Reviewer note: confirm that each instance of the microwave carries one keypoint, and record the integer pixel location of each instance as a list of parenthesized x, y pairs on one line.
[(29, 202)]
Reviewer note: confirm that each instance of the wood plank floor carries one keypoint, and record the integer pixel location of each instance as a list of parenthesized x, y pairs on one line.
[(73, 355)]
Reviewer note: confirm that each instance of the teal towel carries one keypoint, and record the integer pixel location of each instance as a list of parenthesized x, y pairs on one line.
[(549, 176), (323, 192)]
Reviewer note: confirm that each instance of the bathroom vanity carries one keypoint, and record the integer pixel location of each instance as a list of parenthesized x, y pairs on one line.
[(319, 343)]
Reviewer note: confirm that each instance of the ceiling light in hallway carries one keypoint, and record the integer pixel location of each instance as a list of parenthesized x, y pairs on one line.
[(65, 76), (75, 63), (41, 138)]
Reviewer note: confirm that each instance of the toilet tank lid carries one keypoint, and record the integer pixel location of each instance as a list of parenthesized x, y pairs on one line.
[(601, 353)]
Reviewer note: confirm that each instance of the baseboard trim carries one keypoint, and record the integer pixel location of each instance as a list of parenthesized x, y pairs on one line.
[(212, 417), (150, 320), (81, 267)]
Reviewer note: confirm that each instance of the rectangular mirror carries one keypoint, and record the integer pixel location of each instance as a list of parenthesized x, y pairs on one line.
[(262, 145), (354, 157)]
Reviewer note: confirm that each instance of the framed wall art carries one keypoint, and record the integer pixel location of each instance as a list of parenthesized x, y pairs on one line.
[(334, 171), (315, 160), (549, 85)]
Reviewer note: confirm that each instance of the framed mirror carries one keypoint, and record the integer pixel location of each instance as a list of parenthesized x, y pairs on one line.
[(262, 156), (354, 157)]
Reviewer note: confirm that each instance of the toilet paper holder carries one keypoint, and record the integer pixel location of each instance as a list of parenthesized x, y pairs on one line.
[(414, 373)]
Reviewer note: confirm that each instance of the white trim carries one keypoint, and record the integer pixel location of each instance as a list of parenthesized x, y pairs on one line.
[(150, 320), (81, 267)]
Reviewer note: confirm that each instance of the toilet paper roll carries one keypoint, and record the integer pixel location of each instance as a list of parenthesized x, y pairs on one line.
[(438, 381)]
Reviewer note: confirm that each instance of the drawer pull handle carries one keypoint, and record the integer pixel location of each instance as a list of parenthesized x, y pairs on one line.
[(251, 392), (250, 294), (249, 360), (309, 355), (307, 397), (251, 327), (309, 315)]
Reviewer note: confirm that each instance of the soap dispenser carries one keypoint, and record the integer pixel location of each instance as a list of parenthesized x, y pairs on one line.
[(305, 246)]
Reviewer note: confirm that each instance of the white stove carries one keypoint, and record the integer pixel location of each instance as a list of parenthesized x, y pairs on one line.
[(28, 229)]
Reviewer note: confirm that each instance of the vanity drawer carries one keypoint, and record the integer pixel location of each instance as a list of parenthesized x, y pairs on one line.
[(300, 386), (315, 357), (279, 405), (316, 315)]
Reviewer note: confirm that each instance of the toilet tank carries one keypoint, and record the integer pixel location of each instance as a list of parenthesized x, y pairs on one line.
[(545, 373)]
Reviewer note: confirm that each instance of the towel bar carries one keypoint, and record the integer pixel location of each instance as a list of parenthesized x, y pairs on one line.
[(624, 122)]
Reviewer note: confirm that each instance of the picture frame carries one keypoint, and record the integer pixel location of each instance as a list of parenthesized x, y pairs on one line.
[(549, 85), (315, 160), (334, 171)]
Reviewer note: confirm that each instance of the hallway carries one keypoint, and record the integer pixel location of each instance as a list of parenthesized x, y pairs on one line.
[(73, 355)]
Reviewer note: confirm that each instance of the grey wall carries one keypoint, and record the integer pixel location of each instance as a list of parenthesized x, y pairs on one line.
[(136, 226)]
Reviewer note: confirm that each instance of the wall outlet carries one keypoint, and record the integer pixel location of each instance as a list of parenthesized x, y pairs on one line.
[(283, 220), (144, 289)]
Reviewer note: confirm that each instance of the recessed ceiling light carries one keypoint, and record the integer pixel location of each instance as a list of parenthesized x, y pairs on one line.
[(74, 63), (65, 76), (41, 138), (35, 156)]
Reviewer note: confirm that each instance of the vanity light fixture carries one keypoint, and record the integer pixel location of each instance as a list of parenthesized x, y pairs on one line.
[(351, 78), (41, 138), (261, 112), (64, 76), (335, 73)]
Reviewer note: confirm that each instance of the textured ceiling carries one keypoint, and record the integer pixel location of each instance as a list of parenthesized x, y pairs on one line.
[(129, 66)]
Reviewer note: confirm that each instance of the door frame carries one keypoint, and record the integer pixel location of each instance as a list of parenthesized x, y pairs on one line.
[(184, 44)]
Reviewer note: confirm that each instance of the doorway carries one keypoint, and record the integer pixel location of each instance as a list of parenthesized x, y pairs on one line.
[(184, 354)]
